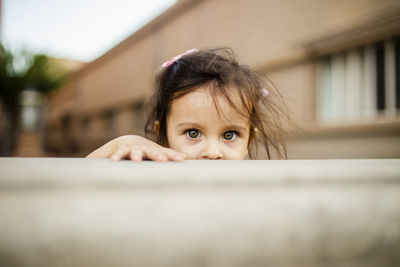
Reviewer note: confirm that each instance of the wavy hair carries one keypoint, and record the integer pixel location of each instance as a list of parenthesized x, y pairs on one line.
[(220, 70)]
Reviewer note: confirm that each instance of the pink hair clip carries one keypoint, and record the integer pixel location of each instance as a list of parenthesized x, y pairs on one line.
[(171, 61), (264, 94)]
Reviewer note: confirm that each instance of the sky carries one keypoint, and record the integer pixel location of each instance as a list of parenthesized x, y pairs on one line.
[(79, 30)]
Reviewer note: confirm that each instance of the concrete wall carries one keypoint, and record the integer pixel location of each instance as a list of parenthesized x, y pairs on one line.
[(83, 212)]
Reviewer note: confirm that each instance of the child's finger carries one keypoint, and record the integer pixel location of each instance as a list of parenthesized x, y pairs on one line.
[(174, 155), (120, 153), (136, 155), (156, 155)]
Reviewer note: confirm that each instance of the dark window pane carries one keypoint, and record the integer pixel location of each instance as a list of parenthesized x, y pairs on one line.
[(109, 117), (397, 70), (380, 76)]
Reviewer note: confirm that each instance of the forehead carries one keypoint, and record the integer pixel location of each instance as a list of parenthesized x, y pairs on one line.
[(202, 105)]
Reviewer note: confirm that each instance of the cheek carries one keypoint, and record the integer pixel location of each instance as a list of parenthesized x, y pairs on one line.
[(178, 142), (237, 152), (191, 151)]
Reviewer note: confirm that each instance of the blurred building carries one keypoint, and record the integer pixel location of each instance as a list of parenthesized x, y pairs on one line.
[(31, 130), (336, 62)]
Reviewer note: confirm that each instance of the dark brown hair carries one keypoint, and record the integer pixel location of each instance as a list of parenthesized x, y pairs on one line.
[(219, 69)]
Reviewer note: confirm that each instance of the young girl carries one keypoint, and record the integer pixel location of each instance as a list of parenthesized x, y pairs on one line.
[(205, 106)]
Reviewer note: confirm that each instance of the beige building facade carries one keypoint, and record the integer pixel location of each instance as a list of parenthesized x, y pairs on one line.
[(335, 62)]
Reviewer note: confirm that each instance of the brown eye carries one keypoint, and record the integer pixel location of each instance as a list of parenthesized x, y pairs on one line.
[(230, 135), (193, 133)]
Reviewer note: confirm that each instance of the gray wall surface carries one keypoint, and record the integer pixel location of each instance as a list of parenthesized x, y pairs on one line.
[(95, 212)]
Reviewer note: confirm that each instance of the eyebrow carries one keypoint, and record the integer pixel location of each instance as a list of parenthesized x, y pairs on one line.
[(195, 125), (188, 125), (236, 127)]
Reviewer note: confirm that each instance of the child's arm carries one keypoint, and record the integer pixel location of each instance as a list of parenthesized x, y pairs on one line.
[(136, 148)]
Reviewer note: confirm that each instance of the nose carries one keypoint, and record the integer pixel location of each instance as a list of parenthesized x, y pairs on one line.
[(212, 150)]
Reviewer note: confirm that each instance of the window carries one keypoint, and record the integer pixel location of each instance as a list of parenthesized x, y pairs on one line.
[(360, 83), (109, 122), (66, 123), (85, 123), (138, 117)]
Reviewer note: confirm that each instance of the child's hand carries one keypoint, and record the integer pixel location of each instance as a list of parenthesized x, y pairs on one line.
[(136, 148)]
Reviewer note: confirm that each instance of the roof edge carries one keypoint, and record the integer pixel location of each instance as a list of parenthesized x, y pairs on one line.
[(152, 26)]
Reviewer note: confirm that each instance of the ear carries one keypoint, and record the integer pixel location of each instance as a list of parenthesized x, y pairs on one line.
[(156, 126), (252, 136)]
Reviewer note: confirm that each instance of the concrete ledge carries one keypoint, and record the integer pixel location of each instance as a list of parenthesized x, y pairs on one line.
[(81, 212)]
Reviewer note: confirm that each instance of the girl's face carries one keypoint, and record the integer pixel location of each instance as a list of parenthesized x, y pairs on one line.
[(197, 129)]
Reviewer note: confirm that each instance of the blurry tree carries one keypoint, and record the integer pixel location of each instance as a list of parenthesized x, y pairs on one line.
[(38, 74), (43, 75)]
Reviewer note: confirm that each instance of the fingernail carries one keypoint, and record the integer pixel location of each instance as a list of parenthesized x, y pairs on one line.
[(161, 157), (114, 157), (136, 158), (179, 157)]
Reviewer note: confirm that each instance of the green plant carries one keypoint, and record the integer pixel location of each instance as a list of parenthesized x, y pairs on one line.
[(43, 75), (38, 74)]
